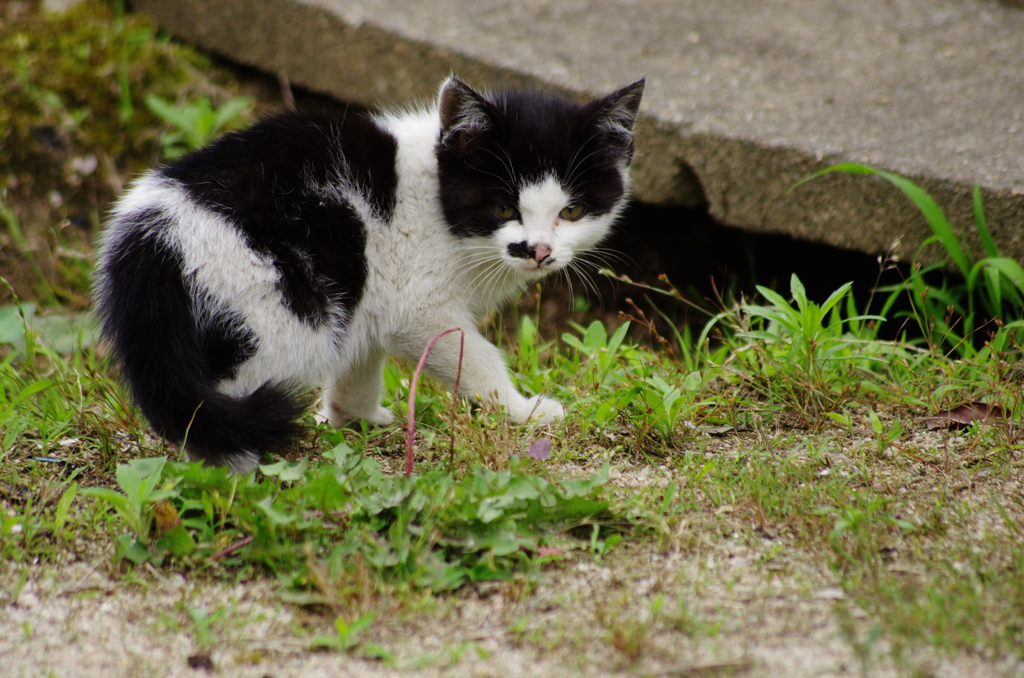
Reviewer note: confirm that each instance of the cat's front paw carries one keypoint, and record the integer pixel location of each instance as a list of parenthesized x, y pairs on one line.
[(382, 417), (541, 410)]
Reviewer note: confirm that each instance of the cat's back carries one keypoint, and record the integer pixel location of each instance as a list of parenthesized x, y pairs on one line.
[(260, 175), (280, 209)]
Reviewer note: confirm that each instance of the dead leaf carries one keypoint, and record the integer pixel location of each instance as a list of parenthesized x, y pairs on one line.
[(166, 517), (964, 416), (201, 660), (540, 450)]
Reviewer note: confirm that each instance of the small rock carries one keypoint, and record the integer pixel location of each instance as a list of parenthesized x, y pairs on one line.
[(28, 600), (831, 593)]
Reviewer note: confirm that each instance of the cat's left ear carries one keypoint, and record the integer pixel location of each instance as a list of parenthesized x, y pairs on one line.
[(617, 112), (461, 108)]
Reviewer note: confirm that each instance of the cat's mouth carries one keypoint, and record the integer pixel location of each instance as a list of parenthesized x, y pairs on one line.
[(533, 270)]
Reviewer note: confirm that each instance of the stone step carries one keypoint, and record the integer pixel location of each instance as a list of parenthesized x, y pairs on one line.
[(743, 98)]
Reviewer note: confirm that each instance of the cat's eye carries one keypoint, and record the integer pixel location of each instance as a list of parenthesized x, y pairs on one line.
[(504, 212), (572, 212)]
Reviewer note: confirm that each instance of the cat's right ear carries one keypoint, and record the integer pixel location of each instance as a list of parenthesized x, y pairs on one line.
[(461, 108)]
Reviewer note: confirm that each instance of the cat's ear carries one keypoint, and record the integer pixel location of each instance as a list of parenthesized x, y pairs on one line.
[(461, 107), (617, 112)]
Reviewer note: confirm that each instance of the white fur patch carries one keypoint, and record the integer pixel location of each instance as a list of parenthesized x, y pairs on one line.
[(539, 207)]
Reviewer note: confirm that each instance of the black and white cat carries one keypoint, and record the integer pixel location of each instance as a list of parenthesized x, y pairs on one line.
[(301, 252)]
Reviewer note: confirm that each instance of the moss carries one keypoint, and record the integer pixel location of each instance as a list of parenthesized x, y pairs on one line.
[(73, 128)]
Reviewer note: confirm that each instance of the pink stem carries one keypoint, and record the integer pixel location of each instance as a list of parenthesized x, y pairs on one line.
[(234, 547), (455, 401), (412, 391)]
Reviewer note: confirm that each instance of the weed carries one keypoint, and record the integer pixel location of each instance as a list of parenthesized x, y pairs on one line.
[(195, 124), (137, 504), (73, 126), (621, 384), (431, 530), (412, 397), (203, 622), (346, 638), (42, 285), (854, 535), (863, 643), (628, 633), (340, 531), (686, 620), (804, 356), (602, 547), (885, 436)]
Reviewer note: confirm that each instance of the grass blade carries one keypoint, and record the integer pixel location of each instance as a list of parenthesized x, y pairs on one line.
[(987, 243), (933, 214)]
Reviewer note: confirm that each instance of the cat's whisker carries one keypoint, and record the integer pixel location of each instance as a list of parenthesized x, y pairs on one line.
[(575, 162), (507, 164), (594, 259), (579, 267), (490, 275), (568, 281), (580, 184), (481, 256), (510, 187), (571, 173), (605, 258)]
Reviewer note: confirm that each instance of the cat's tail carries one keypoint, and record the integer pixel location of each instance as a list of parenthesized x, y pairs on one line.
[(232, 431), (172, 365)]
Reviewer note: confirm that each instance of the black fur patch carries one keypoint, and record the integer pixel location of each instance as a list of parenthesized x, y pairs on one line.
[(146, 311), (262, 180), (525, 137), (521, 250), (227, 343)]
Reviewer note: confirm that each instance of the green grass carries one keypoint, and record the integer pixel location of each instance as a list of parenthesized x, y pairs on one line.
[(963, 315), (339, 505), (826, 420)]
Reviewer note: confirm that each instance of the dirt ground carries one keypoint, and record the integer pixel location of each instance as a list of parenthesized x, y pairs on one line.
[(756, 604)]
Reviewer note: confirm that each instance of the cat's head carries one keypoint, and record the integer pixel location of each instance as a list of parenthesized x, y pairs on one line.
[(534, 179)]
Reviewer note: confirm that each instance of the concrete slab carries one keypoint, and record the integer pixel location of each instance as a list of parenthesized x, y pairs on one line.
[(743, 98)]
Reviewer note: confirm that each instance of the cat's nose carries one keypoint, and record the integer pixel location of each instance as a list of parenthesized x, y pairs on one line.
[(539, 253)]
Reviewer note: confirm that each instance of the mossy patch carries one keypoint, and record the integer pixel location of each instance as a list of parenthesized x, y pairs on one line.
[(74, 128)]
